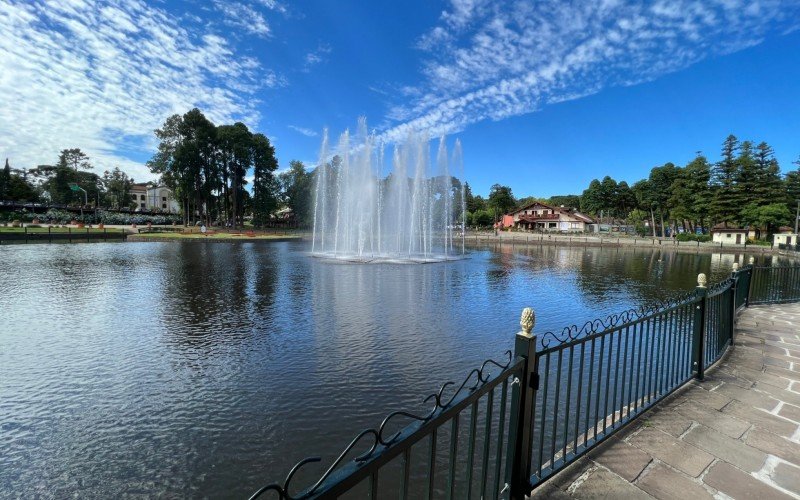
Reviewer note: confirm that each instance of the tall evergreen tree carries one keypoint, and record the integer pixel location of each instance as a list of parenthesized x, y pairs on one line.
[(264, 189), (725, 205), (5, 180)]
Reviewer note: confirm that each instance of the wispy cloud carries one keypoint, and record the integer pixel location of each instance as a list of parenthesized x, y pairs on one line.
[(316, 56), (102, 74), (305, 131), (488, 60), (244, 17)]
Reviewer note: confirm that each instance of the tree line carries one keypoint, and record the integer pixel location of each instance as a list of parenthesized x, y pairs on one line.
[(744, 188), (53, 183), (205, 165)]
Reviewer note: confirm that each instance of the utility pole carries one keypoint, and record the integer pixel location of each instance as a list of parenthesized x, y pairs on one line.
[(797, 217)]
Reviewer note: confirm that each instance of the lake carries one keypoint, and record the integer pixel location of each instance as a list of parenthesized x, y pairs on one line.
[(209, 369)]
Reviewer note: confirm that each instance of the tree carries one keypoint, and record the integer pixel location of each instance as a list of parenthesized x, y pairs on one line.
[(567, 200), (118, 188), (74, 159), (661, 181), (689, 194), (592, 198), (5, 179), (768, 186), (235, 148), (264, 166), (769, 217), (296, 190), (725, 205), (501, 199)]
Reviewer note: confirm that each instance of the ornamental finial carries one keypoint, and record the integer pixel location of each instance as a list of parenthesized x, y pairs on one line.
[(735, 266), (702, 280), (526, 321)]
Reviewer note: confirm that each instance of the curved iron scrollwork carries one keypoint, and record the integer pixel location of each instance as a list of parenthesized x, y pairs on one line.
[(720, 287), (574, 332), (473, 381)]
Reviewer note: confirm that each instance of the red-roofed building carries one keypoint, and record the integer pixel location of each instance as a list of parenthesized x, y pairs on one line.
[(541, 217)]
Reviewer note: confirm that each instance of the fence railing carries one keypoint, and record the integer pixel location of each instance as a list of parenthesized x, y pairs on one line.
[(560, 395)]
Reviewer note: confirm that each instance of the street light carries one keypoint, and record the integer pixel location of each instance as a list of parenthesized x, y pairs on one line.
[(73, 186)]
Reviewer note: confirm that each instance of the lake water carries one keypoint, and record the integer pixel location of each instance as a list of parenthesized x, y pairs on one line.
[(208, 370)]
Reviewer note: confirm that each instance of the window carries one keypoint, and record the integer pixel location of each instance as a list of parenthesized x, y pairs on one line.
[(142, 205), (133, 197), (141, 197), (729, 235), (163, 205), (163, 198)]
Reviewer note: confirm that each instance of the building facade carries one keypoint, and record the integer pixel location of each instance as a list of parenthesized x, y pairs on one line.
[(151, 198), (541, 217)]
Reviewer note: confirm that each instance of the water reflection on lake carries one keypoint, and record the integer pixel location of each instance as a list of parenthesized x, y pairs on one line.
[(198, 369)]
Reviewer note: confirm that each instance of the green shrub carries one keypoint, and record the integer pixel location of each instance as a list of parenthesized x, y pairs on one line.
[(693, 237)]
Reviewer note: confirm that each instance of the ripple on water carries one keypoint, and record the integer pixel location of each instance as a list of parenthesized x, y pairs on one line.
[(184, 370)]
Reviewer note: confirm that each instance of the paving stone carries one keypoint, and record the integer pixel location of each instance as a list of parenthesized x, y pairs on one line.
[(726, 448), (787, 476), (568, 476), (604, 484), (663, 482), (722, 422), (779, 394), (761, 418), (774, 445), (683, 456), (671, 422), (753, 398), (549, 491), (759, 376), (623, 459), (791, 412), (737, 484), (711, 399)]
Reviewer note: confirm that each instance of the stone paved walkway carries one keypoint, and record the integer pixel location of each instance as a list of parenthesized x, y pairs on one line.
[(734, 435)]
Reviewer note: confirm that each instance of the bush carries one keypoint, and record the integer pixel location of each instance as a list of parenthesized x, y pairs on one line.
[(703, 238)]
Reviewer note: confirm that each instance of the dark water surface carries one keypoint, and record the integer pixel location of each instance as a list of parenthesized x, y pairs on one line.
[(208, 370)]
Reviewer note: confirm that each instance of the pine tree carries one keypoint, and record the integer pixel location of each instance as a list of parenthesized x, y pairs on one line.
[(725, 205), (5, 181)]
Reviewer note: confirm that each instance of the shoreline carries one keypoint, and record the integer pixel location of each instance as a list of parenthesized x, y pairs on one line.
[(139, 238), (506, 239)]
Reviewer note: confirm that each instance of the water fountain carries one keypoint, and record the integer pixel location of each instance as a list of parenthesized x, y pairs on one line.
[(413, 214)]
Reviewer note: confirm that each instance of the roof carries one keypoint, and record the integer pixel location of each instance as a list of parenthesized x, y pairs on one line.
[(570, 212), (728, 230)]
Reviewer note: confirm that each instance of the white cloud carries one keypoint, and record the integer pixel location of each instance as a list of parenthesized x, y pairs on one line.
[(103, 74), (495, 59), (244, 17), (316, 57), (305, 131)]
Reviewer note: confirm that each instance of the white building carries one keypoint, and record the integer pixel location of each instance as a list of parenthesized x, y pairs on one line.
[(785, 239), (151, 198), (729, 235)]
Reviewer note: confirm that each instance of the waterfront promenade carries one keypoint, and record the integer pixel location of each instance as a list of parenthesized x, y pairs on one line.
[(736, 434)]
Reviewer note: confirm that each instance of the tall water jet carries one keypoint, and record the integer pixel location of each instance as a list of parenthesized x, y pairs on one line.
[(415, 213)]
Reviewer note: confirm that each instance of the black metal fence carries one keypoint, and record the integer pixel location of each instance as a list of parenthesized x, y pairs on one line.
[(63, 235), (508, 427)]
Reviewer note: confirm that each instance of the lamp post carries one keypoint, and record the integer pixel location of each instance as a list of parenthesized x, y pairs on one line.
[(73, 186)]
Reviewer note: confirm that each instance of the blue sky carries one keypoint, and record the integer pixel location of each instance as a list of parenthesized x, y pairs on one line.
[(544, 95)]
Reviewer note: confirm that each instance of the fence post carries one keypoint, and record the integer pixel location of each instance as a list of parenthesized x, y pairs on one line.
[(523, 397), (699, 326), (735, 277), (752, 263)]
